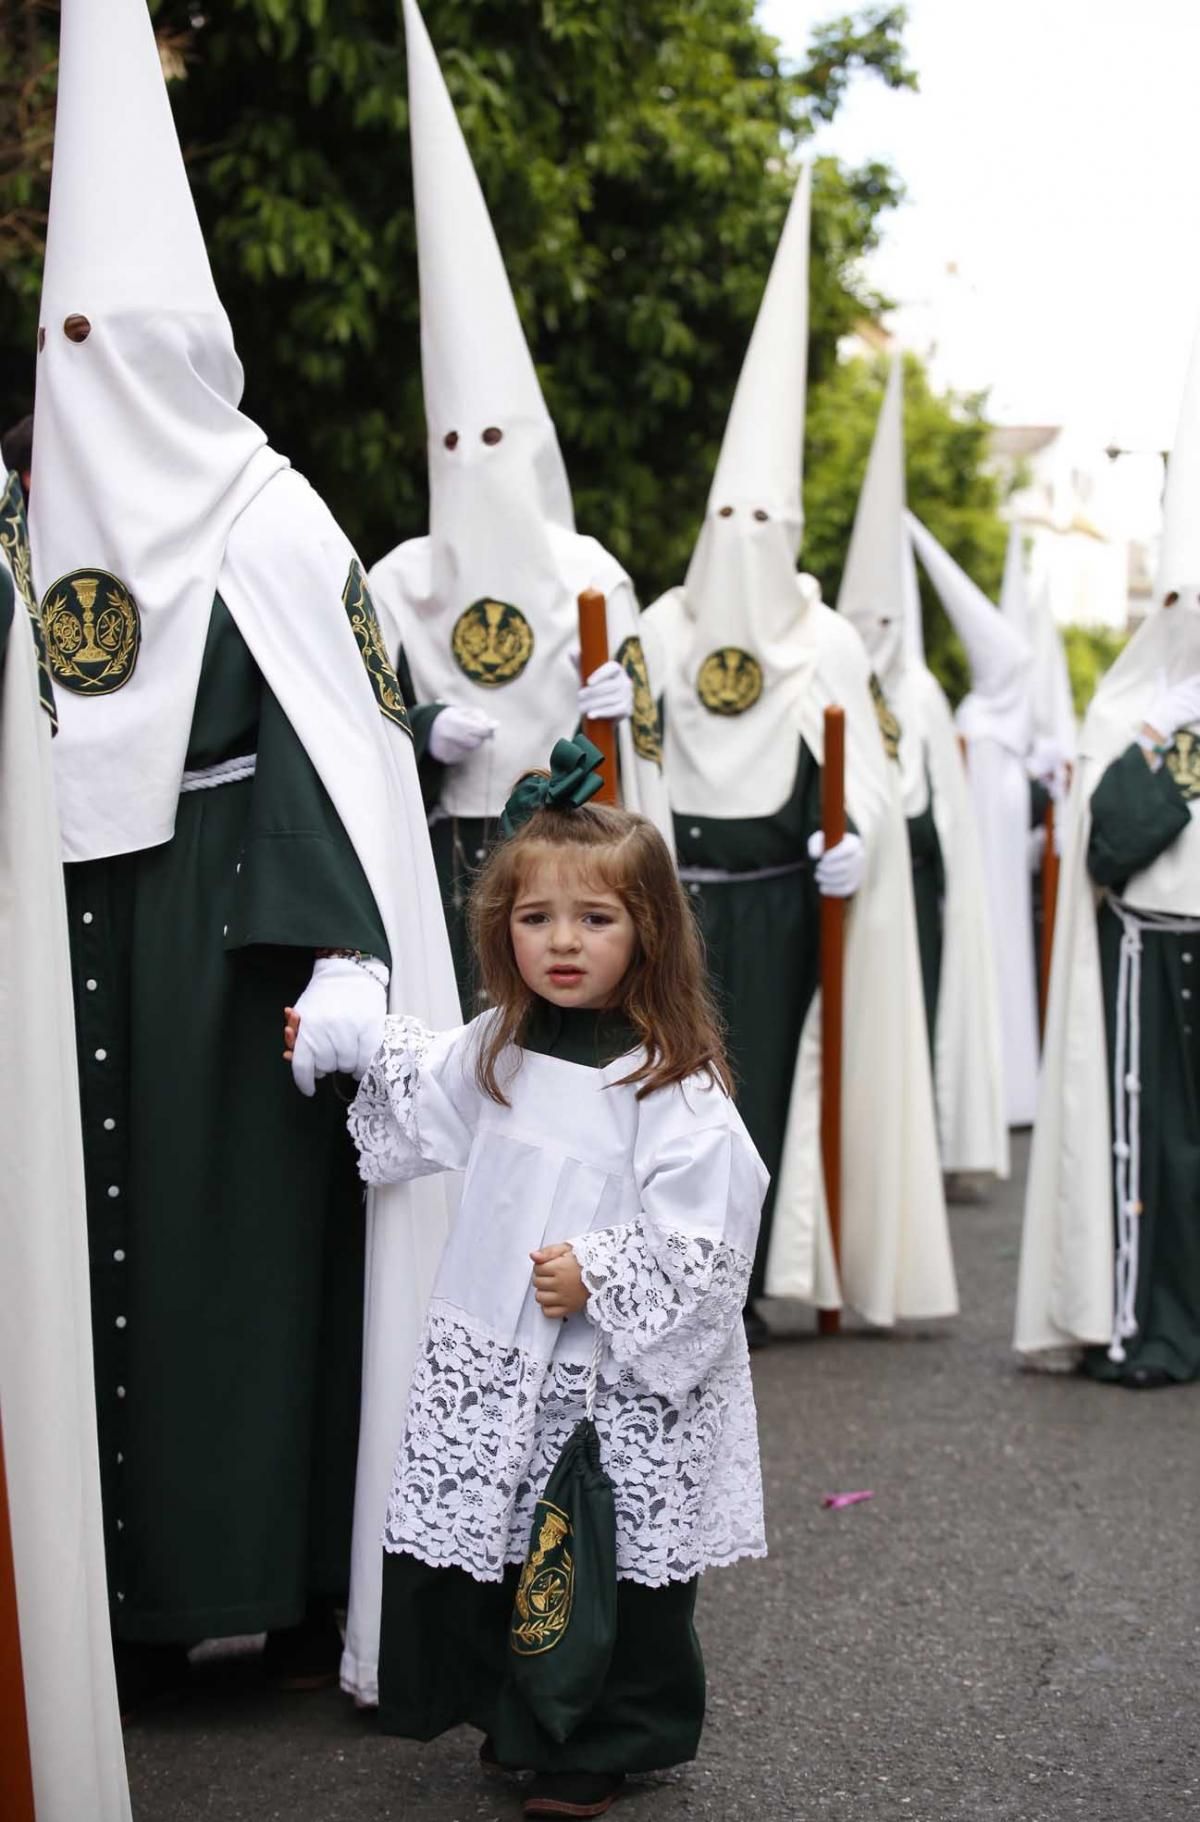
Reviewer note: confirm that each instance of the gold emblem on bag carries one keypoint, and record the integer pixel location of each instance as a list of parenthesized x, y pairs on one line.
[(647, 728), (1183, 763), (730, 681), (364, 624), (492, 642), (93, 632), (889, 726), (546, 1589)]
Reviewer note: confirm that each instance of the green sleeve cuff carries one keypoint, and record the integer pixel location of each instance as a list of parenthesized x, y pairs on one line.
[(1136, 815), (303, 891)]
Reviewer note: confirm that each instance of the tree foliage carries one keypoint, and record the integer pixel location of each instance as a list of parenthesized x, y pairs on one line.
[(637, 158), (635, 155)]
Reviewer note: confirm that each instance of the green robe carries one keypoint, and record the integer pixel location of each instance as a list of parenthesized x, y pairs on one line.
[(929, 892), (1136, 815), (763, 942), (225, 1214)]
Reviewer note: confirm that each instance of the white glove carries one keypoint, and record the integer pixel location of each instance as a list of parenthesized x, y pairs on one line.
[(341, 1019), (1036, 847), (608, 694), (1048, 764), (456, 733), (1174, 706), (840, 872)]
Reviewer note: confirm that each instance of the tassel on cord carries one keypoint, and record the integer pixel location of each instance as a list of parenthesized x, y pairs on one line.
[(1127, 1107)]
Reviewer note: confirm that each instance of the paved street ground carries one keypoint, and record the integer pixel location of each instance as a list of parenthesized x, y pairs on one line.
[(1010, 1629)]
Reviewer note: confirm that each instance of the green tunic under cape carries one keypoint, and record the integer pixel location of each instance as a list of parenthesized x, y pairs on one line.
[(224, 1210), (762, 937)]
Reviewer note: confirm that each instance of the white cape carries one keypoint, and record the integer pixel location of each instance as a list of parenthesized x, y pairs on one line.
[(968, 1065), (46, 1386), (538, 707), (285, 548), (896, 1258), (1000, 790)]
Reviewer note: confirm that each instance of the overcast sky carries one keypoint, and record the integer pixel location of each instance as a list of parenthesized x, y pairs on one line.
[(1050, 245)]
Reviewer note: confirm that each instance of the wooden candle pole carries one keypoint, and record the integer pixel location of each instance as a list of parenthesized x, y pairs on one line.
[(1050, 871), (833, 949), (16, 1773), (593, 649)]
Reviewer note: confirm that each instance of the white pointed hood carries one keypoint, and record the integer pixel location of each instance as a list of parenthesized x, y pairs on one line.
[(1168, 641), (486, 605), (739, 652), (1053, 704), (879, 593), (476, 368), (497, 483), (1014, 589), (999, 706), (143, 459)]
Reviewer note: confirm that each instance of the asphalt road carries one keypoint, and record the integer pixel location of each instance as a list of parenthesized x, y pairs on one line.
[(1009, 1629)]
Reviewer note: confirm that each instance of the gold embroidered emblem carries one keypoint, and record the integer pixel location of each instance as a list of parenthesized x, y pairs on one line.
[(93, 632), (647, 728), (889, 726), (492, 642), (364, 624), (546, 1589), (14, 542), (730, 681), (1183, 763)]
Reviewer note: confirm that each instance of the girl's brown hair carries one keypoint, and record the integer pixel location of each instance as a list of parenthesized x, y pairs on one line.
[(664, 995)]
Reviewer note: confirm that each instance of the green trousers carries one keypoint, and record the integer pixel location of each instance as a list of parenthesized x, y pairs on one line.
[(444, 1661), (1168, 1298)]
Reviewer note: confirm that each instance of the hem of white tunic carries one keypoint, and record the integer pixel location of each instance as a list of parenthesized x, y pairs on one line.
[(756, 1549)]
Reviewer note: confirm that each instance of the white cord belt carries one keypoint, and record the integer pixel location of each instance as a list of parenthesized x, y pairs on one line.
[(1127, 1095), (717, 876), (226, 771)]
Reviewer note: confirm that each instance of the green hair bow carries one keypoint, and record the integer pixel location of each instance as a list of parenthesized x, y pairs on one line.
[(573, 779)]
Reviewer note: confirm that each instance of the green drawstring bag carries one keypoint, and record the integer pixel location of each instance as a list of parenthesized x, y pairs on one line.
[(564, 1620)]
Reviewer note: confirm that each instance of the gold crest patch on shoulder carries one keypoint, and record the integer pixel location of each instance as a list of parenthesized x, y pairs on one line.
[(730, 681), (364, 624), (647, 728), (93, 632), (546, 1590), (14, 542), (492, 642), (889, 726), (1183, 763)]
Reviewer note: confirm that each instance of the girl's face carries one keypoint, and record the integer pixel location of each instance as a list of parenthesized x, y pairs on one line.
[(572, 937)]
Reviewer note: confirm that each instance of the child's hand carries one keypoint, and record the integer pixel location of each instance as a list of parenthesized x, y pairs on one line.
[(291, 1031), (558, 1282)]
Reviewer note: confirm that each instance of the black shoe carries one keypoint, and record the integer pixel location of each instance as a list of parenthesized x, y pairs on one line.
[(573, 1793), (757, 1332), (308, 1656), (147, 1675), (1146, 1379), (489, 1764)]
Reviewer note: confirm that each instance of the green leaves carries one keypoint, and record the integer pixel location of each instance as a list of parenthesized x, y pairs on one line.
[(638, 159)]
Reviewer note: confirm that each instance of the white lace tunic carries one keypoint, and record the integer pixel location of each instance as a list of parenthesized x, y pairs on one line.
[(660, 1199)]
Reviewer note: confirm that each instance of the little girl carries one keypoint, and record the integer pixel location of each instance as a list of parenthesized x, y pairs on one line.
[(590, 1110)]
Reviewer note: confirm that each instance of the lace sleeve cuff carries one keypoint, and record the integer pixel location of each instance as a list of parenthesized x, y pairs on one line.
[(667, 1314), (388, 1118)]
